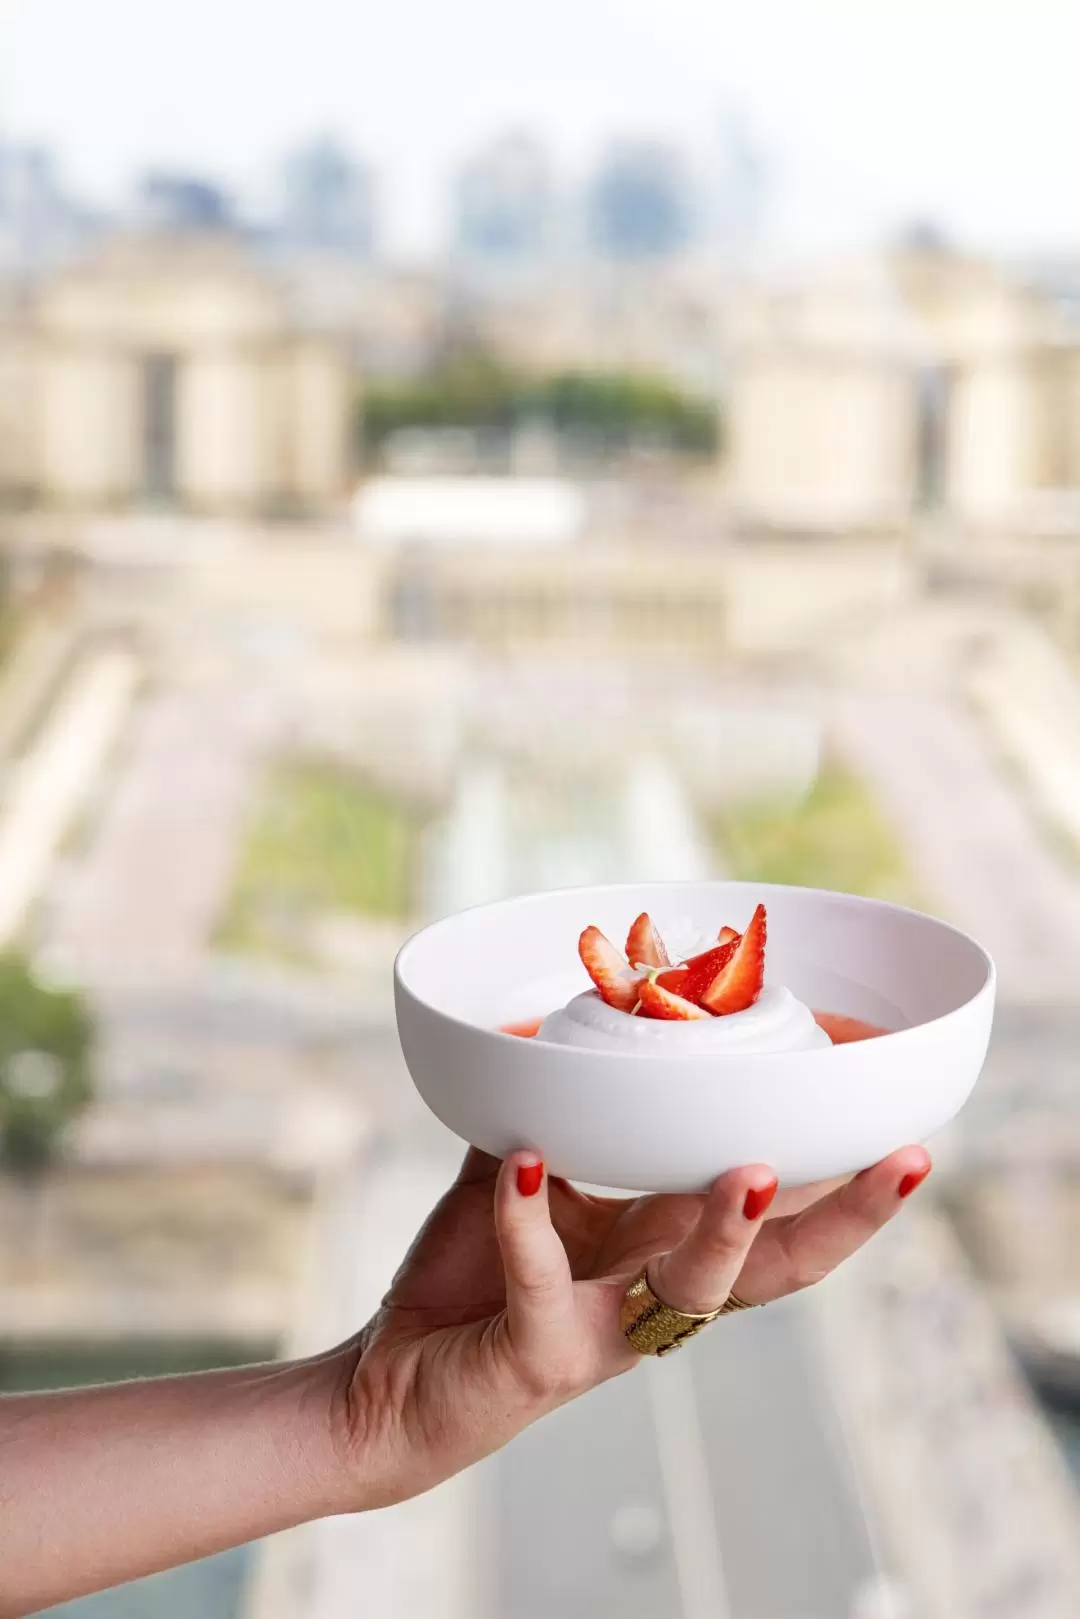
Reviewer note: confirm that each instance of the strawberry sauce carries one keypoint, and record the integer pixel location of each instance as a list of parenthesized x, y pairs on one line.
[(841, 1030), (526, 1029)]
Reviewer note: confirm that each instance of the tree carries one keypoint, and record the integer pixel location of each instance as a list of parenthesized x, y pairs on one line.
[(46, 1042), (615, 410), (468, 388), (624, 408)]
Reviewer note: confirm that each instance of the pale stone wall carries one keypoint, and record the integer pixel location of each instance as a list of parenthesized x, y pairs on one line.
[(825, 416), (992, 441), (223, 461), (1071, 413), (163, 297), (261, 410), (784, 596), (598, 599), (299, 581), (1012, 428), (823, 408), (84, 424), (319, 404), (1013, 436), (18, 409), (823, 440)]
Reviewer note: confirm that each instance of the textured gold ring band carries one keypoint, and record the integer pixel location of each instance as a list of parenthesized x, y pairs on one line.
[(654, 1328), (731, 1304)]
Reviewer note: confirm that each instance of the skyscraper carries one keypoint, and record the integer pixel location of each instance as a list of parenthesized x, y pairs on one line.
[(504, 203), (327, 200), (639, 204), (174, 200), (739, 183), (39, 223)]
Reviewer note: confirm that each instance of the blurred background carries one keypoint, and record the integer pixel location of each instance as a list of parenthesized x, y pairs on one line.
[(452, 449)]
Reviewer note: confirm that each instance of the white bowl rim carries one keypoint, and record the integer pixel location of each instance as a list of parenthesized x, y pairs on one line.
[(847, 1051)]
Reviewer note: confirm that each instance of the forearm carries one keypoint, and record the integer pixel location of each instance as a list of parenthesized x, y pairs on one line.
[(103, 1485)]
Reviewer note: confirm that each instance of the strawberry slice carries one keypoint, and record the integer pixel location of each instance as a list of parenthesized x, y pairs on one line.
[(644, 946), (612, 976), (657, 1002), (726, 935), (738, 983), (693, 978)]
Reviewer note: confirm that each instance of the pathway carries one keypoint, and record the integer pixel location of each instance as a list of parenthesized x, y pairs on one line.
[(973, 844), (54, 778), (142, 904)]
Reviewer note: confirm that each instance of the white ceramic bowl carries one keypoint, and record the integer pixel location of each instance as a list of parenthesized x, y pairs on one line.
[(673, 1121)]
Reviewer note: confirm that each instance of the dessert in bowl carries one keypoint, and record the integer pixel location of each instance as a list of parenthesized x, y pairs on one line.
[(749, 1046)]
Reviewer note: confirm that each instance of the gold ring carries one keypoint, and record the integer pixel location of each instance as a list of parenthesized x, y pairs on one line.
[(655, 1328), (731, 1304)]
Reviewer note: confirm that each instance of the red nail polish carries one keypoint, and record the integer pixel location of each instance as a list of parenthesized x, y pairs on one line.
[(529, 1177), (758, 1199), (910, 1182)]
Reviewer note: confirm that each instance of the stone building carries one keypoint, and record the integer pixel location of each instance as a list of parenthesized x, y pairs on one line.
[(1008, 365), (598, 600), (171, 373), (823, 405), (927, 382)]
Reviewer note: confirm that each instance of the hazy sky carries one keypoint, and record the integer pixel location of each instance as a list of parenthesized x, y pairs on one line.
[(869, 110)]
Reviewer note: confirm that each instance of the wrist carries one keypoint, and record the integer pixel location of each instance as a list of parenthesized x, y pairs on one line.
[(325, 1446)]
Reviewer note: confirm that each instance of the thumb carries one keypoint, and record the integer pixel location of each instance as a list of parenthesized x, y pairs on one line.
[(539, 1287)]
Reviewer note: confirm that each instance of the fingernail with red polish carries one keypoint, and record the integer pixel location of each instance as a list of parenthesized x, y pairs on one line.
[(758, 1199), (910, 1182), (529, 1177)]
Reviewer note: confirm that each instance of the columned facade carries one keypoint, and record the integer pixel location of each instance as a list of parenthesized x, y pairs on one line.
[(941, 382), (172, 375)]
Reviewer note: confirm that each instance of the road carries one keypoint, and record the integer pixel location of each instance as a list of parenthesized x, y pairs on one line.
[(982, 860), (609, 1506), (144, 899)]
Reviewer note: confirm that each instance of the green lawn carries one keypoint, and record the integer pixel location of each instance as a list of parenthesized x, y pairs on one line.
[(836, 837), (321, 841)]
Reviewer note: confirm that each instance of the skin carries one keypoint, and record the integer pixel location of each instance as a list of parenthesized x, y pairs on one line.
[(505, 1307)]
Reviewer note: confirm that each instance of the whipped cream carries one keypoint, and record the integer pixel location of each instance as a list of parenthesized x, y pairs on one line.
[(775, 1022)]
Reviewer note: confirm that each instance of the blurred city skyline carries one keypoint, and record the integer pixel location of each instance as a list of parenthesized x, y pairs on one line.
[(865, 119), (450, 451)]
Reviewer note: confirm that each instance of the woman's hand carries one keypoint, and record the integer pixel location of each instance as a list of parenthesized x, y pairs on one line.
[(506, 1306), (508, 1302)]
